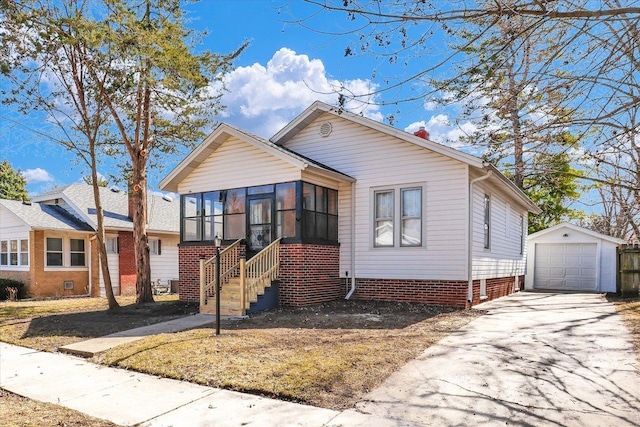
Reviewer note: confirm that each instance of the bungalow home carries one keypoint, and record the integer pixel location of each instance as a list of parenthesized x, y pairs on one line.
[(49, 243), (354, 208)]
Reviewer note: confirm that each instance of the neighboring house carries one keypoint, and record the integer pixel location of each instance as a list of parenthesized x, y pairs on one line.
[(49, 243), (364, 211), (567, 257)]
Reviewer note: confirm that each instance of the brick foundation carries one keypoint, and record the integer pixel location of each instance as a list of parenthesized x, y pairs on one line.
[(308, 273), (496, 288), (439, 292)]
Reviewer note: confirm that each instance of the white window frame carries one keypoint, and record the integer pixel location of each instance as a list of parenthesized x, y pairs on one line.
[(22, 255), (66, 253), (111, 244), (155, 246), (486, 221), (83, 252), (522, 233), (397, 218), (4, 250), (10, 250), (47, 251)]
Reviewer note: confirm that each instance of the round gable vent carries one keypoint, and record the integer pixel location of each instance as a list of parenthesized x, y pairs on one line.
[(325, 129)]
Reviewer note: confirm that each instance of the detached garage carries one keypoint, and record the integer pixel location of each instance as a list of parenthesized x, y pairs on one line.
[(571, 258)]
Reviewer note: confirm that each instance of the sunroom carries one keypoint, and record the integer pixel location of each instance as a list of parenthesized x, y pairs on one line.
[(272, 212), (295, 212)]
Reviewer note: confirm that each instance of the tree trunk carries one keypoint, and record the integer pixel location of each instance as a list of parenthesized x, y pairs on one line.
[(138, 194), (102, 249)]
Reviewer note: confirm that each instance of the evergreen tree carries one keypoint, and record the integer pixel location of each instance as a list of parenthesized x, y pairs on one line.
[(12, 183)]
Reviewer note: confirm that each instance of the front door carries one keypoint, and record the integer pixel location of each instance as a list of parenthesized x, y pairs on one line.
[(260, 224)]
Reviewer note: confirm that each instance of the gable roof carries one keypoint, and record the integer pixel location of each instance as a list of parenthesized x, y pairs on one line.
[(275, 146), (221, 134), (578, 229), (45, 217), (163, 213), (319, 108)]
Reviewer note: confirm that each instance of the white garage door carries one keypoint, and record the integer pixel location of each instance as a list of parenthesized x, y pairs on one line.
[(565, 266)]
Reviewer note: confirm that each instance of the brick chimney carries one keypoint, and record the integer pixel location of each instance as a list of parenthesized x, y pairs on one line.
[(422, 133)]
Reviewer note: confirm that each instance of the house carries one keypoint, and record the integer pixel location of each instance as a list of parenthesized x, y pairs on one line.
[(49, 243), (361, 210), (567, 257)]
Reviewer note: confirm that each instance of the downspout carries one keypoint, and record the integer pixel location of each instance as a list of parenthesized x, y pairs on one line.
[(470, 242), (353, 241)]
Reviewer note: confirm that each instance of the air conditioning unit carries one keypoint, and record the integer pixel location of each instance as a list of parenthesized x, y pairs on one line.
[(68, 284)]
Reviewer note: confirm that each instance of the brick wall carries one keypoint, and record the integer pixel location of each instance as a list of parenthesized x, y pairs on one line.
[(439, 292), (496, 288), (189, 270), (50, 283), (127, 263), (309, 274)]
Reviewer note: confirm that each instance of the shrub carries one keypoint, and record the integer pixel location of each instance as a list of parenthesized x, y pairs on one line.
[(11, 283)]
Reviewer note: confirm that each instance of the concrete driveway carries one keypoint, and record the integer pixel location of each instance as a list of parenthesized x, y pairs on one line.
[(535, 359)]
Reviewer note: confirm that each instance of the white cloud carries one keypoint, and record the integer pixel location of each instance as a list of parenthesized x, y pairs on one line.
[(36, 175), (263, 99)]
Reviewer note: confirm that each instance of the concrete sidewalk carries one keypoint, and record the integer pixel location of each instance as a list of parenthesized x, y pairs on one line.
[(535, 359), (129, 398), (90, 348)]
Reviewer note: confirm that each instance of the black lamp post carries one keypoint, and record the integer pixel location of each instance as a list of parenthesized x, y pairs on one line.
[(217, 241)]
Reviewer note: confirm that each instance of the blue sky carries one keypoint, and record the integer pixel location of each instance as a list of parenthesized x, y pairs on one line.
[(285, 68)]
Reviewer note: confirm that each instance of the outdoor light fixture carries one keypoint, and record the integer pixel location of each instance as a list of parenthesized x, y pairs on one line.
[(217, 241)]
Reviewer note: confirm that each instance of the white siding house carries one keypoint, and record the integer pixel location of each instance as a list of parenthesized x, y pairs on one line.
[(411, 218)]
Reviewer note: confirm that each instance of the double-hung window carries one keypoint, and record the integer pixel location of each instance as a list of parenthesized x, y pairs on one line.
[(487, 221), (54, 252), (77, 252), (398, 217), (4, 252), (155, 247)]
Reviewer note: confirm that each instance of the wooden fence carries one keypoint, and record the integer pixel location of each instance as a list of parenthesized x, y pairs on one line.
[(628, 270)]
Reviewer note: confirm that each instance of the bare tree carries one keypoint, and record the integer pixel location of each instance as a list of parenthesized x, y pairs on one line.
[(154, 94)]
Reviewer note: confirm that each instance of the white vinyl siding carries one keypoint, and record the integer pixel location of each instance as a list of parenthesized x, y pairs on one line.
[(12, 229), (238, 164), (165, 265), (504, 257), (113, 261), (378, 161)]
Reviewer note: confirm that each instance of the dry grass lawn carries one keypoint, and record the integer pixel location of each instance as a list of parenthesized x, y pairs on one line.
[(630, 310), (49, 324), (327, 355), (17, 411)]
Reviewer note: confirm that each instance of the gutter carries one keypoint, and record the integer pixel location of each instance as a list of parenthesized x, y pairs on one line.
[(353, 241), (470, 242)]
